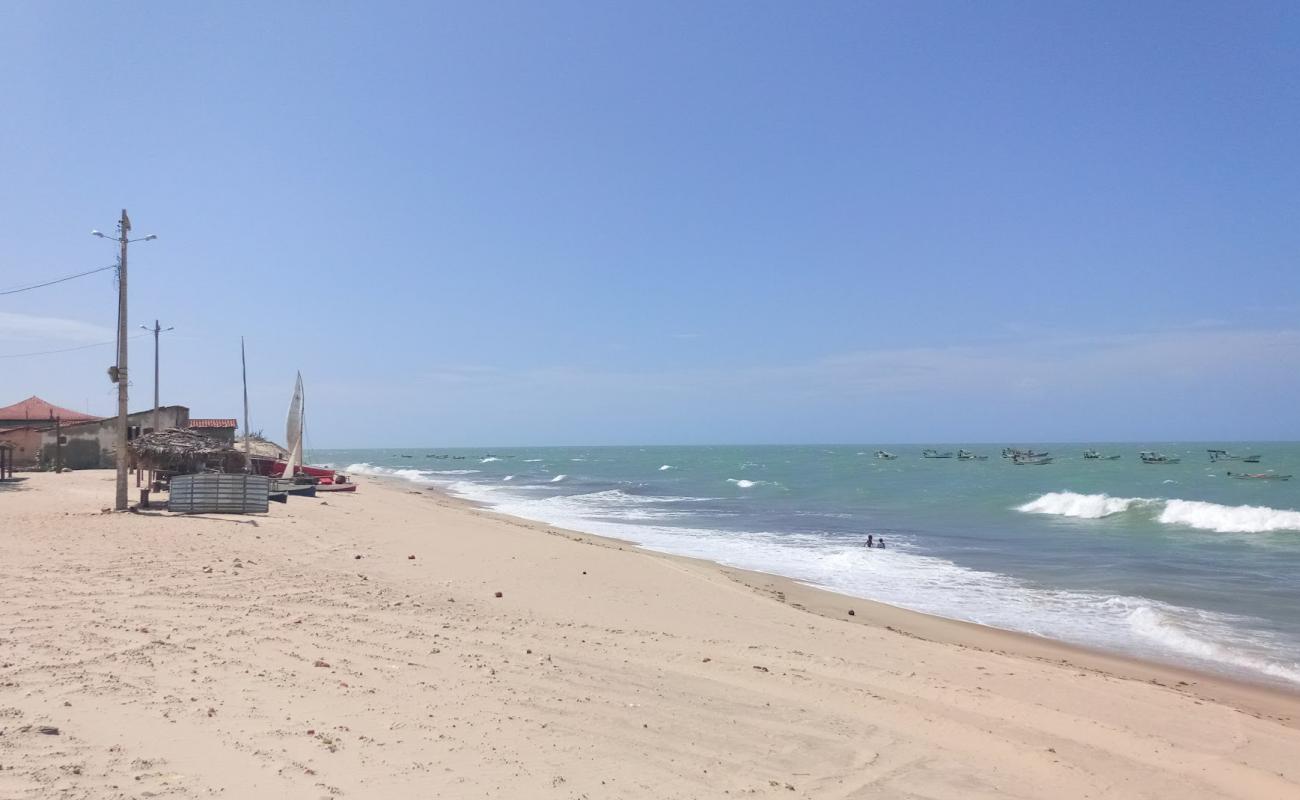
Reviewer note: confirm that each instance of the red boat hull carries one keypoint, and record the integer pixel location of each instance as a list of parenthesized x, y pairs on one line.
[(325, 477)]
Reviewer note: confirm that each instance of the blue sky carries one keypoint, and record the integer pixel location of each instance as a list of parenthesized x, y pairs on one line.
[(598, 223)]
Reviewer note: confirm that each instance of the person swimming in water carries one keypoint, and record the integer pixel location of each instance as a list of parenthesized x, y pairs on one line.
[(881, 543), (871, 540)]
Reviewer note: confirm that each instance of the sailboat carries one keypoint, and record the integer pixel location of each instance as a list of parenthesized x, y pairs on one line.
[(290, 480)]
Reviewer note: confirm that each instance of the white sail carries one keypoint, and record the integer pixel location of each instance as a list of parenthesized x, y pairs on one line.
[(293, 431)]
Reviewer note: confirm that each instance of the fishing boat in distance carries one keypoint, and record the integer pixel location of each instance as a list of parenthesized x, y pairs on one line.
[(966, 455), (1259, 476), (885, 455), (1015, 452), (1093, 455), (1152, 457), (1034, 460), (1224, 455), (928, 453)]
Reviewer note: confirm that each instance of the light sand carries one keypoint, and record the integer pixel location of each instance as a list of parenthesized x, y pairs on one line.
[(258, 658)]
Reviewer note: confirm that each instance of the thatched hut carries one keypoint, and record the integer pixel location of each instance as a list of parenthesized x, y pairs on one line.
[(259, 447), (184, 452)]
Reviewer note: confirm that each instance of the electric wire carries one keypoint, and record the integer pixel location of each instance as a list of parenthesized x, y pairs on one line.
[(56, 280)]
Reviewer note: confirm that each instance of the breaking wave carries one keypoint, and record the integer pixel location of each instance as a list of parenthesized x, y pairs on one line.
[(742, 483), (1229, 519), (558, 478), (666, 467), (1191, 513), (1082, 506)]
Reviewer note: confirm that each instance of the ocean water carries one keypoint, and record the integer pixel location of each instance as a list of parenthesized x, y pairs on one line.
[(1177, 563)]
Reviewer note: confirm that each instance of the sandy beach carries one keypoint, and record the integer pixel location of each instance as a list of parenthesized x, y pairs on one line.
[(397, 643)]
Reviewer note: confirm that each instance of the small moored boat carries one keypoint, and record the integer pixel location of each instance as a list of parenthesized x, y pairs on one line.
[(1259, 476), (928, 453), (885, 455), (1152, 457), (966, 455), (1224, 455), (1037, 460), (1093, 455)]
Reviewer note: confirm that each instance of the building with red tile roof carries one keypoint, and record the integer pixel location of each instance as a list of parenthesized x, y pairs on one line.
[(35, 411)]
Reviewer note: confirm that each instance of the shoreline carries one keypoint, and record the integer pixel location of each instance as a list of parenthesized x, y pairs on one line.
[(1258, 698), (402, 643)]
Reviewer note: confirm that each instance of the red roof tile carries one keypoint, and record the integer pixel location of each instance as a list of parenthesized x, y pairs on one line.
[(214, 423), (38, 410)]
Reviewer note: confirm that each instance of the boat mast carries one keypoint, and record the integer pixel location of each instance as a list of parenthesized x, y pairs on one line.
[(243, 363)]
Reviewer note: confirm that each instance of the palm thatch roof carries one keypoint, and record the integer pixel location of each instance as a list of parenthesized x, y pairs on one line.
[(261, 448), (184, 452)]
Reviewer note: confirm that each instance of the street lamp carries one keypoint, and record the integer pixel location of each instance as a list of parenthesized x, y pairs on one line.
[(156, 329), (119, 373)]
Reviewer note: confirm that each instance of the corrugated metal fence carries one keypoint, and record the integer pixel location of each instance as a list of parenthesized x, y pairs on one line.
[(219, 494)]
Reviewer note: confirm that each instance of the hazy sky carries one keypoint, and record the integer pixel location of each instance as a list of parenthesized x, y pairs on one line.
[(587, 223)]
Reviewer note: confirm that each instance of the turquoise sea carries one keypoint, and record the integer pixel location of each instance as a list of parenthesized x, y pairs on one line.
[(1172, 562)]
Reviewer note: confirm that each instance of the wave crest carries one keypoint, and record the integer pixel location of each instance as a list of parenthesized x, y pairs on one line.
[(1229, 519), (1080, 506)]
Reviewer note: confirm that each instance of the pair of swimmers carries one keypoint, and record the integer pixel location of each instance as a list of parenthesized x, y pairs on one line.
[(872, 541)]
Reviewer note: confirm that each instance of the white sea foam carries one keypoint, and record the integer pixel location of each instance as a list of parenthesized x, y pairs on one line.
[(926, 583), (1157, 625), (1082, 506), (508, 478), (487, 460), (531, 460), (558, 478), (930, 584), (666, 467), (413, 475), (742, 483), (1229, 519), (1192, 513)]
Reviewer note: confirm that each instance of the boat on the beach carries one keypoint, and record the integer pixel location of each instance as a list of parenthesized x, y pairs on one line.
[(885, 455), (1152, 457), (1224, 455), (1259, 476), (298, 488), (928, 453), (336, 487), (288, 473), (966, 455)]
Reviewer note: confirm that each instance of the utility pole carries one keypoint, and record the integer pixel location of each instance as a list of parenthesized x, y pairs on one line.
[(118, 374), (123, 230), (156, 329)]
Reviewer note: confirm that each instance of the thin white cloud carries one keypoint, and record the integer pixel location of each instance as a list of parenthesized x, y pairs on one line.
[(1029, 365), (56, 330)]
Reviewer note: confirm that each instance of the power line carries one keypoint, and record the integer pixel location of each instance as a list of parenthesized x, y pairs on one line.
[(67, 349), (57, 280)]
